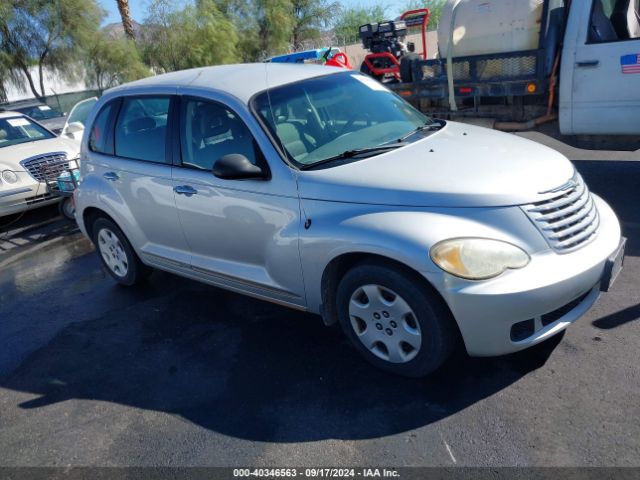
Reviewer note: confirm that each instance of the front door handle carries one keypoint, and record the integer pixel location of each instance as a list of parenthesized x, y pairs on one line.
[(588, 63), (185, 190), (111, 176)]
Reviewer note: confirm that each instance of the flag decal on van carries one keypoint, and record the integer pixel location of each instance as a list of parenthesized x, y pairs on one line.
[(630, 63)]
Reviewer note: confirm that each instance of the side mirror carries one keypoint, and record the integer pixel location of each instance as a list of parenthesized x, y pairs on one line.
[(237, 167), (74, 127)]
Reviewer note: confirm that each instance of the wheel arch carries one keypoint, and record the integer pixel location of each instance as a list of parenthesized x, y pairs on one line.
[(341, 264)]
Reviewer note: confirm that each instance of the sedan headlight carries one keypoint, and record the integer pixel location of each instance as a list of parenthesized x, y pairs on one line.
[(9, 176), (477, 258)]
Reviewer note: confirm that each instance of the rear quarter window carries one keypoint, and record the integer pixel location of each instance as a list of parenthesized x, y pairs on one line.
[(98, 136)]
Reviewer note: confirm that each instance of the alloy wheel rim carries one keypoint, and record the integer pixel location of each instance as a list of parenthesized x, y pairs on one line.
[(385, 324), (113, 253)]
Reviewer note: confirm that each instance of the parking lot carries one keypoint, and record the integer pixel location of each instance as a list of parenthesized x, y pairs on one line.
[(176, 373)]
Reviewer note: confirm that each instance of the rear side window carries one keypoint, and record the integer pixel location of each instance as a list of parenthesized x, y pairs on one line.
[(141, 129), (98, 137)]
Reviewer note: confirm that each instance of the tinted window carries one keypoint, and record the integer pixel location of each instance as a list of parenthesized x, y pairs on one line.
[(211, 131), (98, 136), (141, 129)]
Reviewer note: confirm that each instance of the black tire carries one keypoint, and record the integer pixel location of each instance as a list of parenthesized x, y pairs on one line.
[(136, 271), (67, 209), (436, 325)]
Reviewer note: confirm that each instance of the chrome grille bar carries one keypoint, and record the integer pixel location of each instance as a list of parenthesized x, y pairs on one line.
[(567, 220), (43, 167)]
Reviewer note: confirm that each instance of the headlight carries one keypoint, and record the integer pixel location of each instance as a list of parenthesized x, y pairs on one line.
[(9, 176), (477, 258)]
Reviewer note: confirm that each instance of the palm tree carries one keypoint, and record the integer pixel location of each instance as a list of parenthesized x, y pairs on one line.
[(123, 7)]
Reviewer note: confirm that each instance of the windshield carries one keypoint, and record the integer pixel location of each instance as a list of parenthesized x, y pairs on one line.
[(81, 111), (39, 112), (322, 118), (15, 130)]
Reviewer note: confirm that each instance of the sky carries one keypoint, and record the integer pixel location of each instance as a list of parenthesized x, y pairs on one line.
[(139, 8)]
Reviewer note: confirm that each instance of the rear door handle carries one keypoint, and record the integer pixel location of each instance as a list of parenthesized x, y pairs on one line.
[(111, 176), (185, 190), (588, 63)]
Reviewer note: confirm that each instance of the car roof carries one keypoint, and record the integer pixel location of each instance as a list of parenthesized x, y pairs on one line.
[(25, 103), (241, 80)]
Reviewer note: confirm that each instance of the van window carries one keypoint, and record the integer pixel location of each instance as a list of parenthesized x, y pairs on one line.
[(141, 129)]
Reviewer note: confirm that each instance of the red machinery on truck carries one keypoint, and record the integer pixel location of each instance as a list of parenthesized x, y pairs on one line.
[(385, 42)]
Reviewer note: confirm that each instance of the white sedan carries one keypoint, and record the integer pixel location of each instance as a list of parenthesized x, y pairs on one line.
[(28, 152)]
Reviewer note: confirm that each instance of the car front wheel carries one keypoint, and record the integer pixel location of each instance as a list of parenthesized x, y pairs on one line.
[(394, 320)]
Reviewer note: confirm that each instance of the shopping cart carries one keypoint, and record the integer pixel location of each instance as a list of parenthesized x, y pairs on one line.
[(62, 178)]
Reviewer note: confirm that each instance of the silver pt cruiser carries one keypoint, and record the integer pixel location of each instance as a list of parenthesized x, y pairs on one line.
[(319, 189)]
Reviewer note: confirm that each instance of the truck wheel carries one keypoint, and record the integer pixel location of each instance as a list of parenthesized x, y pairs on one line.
[(394, 321), (117, 255)]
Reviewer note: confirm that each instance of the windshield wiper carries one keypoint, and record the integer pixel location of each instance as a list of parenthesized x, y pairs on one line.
[(355, 153), (427, 126)]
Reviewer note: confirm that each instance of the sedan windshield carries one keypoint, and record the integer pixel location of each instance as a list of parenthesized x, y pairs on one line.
[(40, 112), (336, 117), (15, 130)]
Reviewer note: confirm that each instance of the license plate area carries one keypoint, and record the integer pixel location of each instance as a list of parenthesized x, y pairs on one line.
[(613, 267)]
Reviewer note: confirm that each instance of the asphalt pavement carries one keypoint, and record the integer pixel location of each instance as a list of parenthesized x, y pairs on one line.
[(176, 373)]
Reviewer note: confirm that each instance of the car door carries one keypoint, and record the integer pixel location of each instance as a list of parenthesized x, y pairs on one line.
[(243, 234), (605, 93), (139, 172)]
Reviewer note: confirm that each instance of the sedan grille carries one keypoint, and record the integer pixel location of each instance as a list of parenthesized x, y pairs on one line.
[(46, 167), (569, 219)]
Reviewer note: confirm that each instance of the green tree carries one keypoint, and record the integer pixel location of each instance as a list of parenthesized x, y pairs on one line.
[(195, 36), (45, 34), (435, 10), (111, 61), (347, 27), (310, 17), (265, 27)]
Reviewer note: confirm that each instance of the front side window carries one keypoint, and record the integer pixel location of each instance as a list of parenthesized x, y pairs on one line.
[(141, 129), (614, 21), (321, 118), (209, 131), (15, 130)]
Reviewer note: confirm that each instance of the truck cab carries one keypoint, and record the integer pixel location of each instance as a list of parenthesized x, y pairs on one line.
[(600, 73)]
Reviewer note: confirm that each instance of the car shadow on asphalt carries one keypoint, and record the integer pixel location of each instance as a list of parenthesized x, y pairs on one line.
[(619, 318), (247, 369)]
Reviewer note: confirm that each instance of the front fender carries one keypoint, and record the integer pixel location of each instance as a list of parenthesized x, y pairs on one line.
[(402, 234)]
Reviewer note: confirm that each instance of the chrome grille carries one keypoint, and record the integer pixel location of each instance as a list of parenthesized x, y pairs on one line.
[(46, 167), (569, 219)]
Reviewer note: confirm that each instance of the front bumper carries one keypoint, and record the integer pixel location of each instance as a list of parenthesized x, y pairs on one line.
[(557, 287), (24, 195)]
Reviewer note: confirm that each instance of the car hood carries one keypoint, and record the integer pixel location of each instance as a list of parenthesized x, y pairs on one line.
[(11, 156), (459, 166)]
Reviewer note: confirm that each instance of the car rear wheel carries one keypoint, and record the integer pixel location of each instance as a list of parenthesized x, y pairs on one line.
[(394, 320), (117, 255)]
